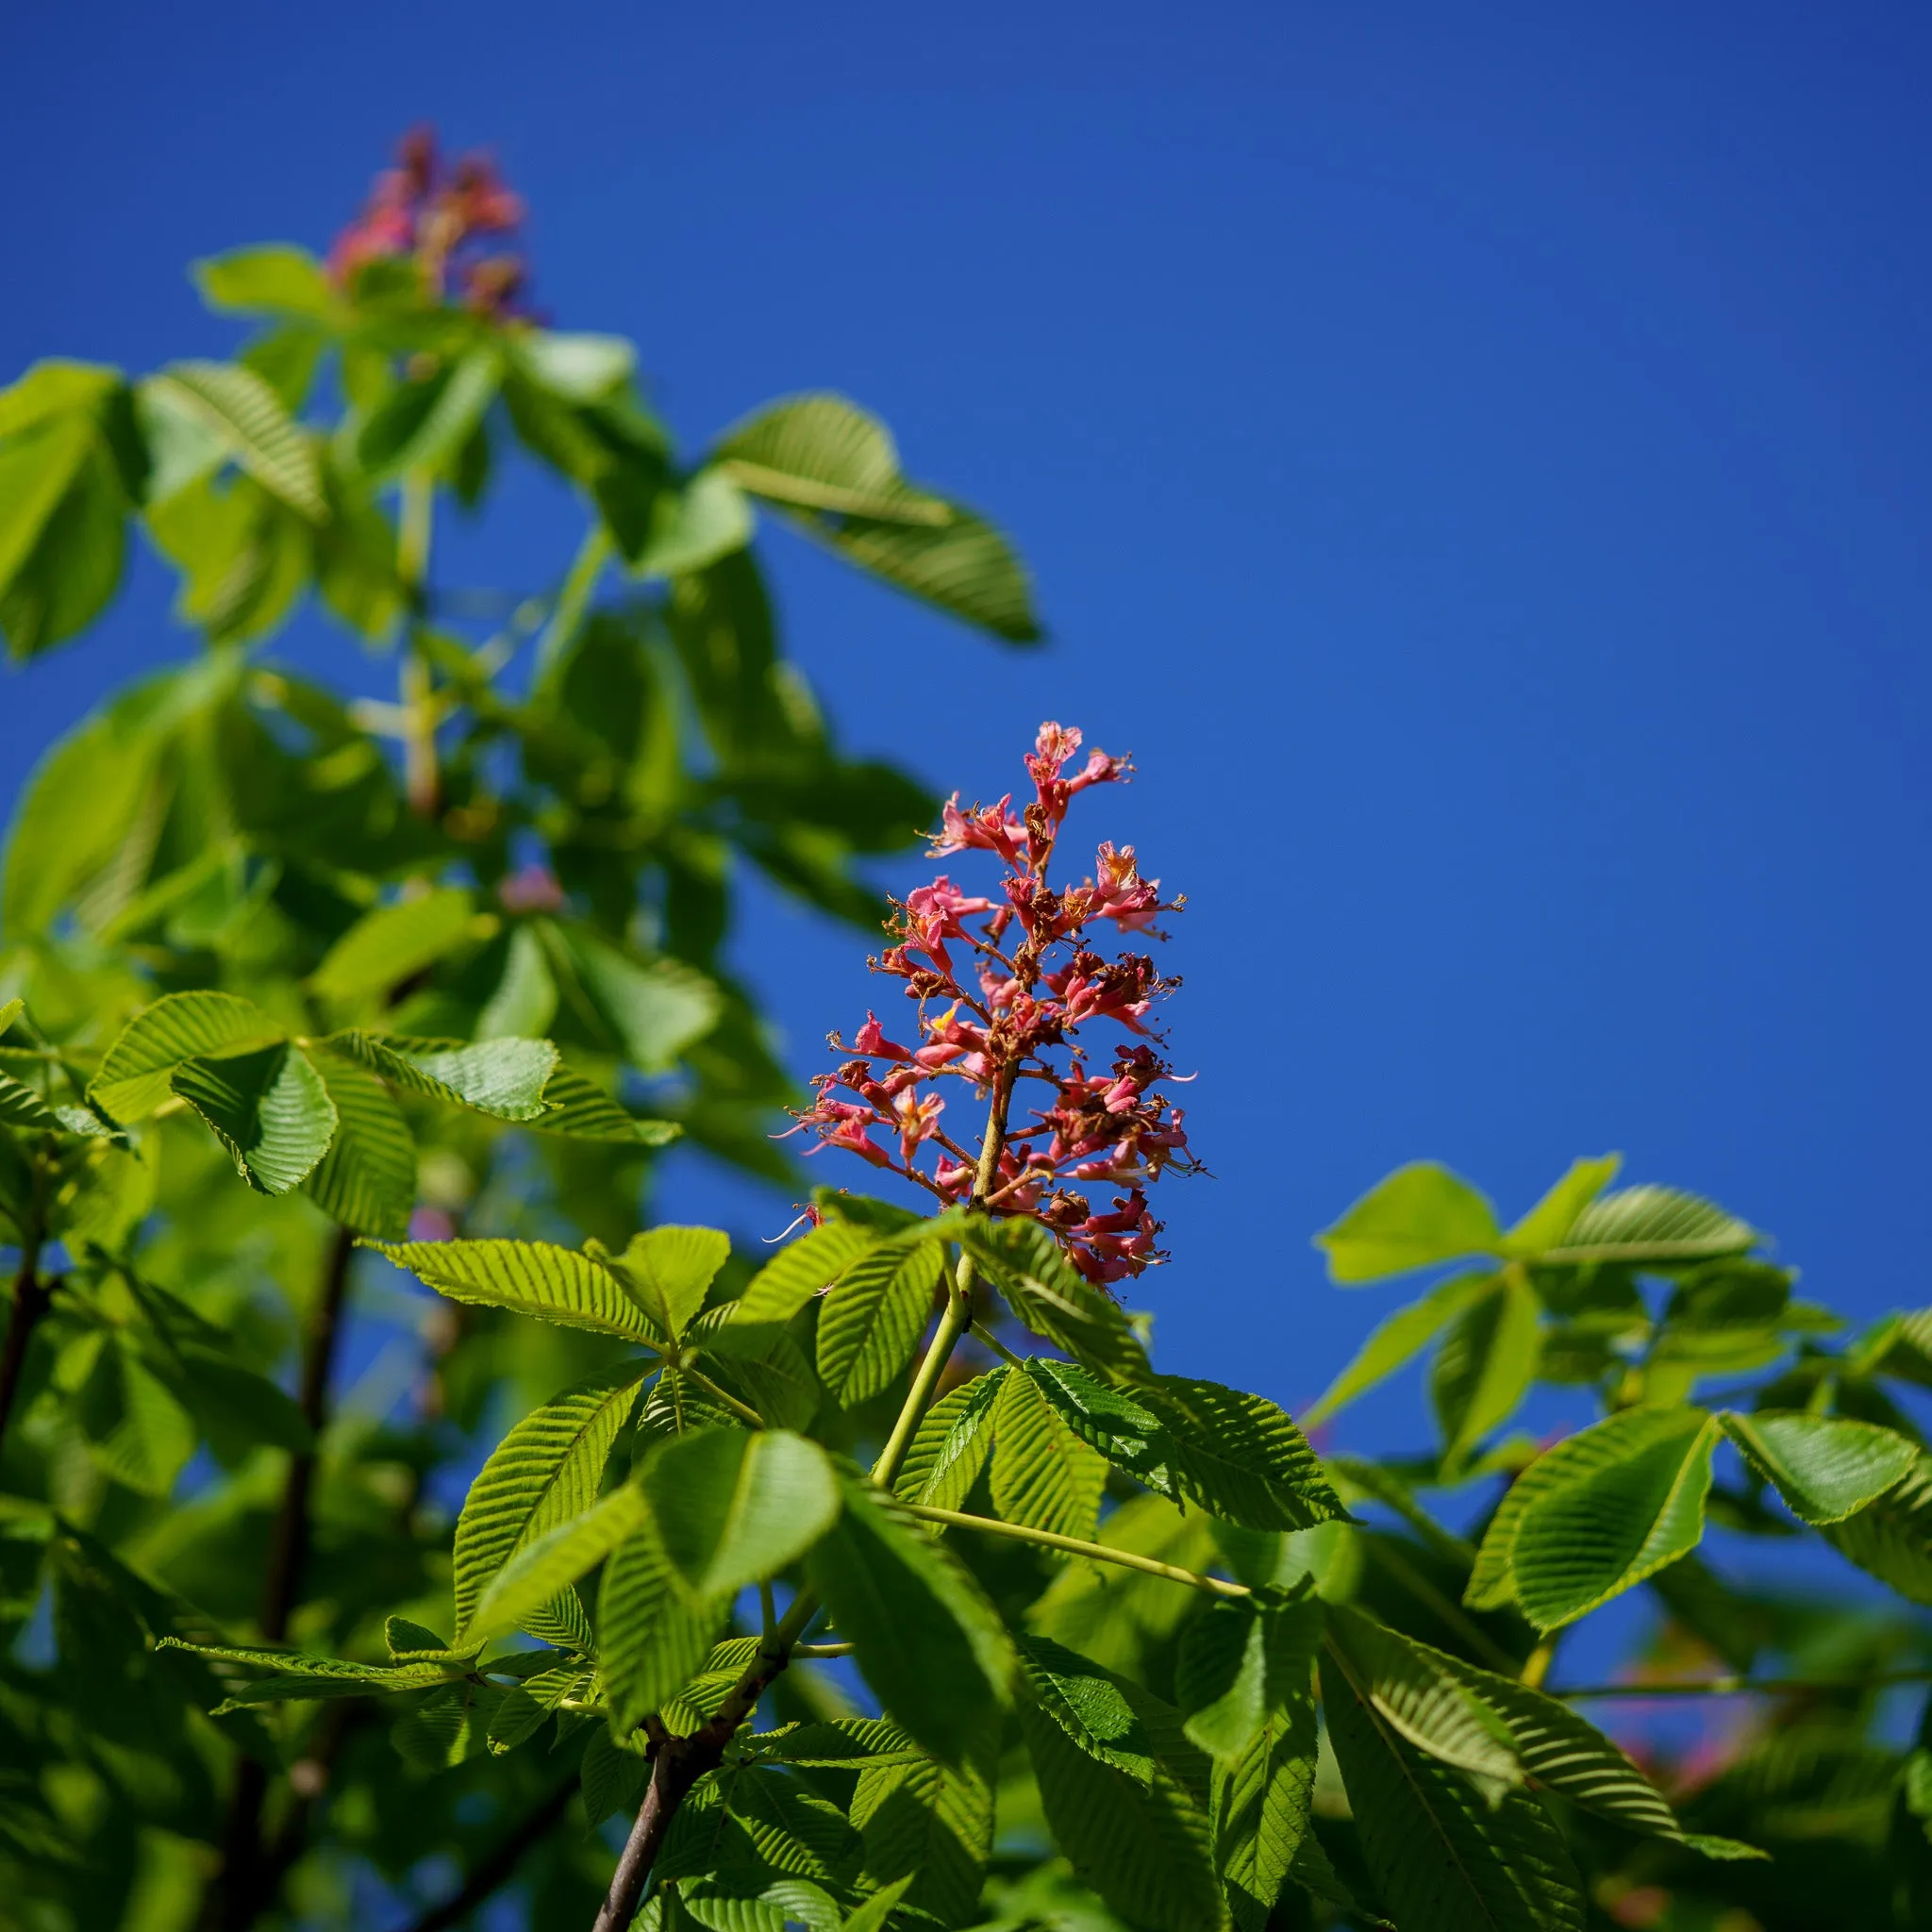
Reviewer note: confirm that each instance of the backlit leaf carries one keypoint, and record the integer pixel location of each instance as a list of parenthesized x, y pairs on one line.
[(135, 1075), (1042, 1473), (256, 430), (269, 1108), (394, 943), (367, 1179), (1396, 1341), (1824, 1467), (874, 1317), (950, 1447), (1420, 1215), (533, 1277)]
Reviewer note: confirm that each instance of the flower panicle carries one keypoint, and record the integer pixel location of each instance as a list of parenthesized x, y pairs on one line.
[(443, 216), (1003, 983)]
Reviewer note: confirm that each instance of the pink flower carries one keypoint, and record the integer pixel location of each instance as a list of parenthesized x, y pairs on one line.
[(984, 828), (533, 888), (871, 1042)]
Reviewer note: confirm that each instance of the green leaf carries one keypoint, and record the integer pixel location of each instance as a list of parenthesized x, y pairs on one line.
[(650, 1011), (872, 1319), (949, 1446), (653, 1633), (504, 1078), (1486, 1364), (932, 1824), (1241, 1664), (576, 1108), (1824, 1467), (820, 452), (1562, 1753), (1892, 1537), (1622, 1500), (1261, 1804), (269, 1108), (1145, 1846), (1090, 1705), (734, 1508), (421, 428), (394, 944), (613, 1780), (524, 1001), (134, 1427), (926, 1639), (580, 368), (1053, 1299), (1653, 1225), (296, 1675), (966, 568), (814, 1261), (367, 1179), (1420, 1215), (545, 1472), (876, 1914), (22, 1107), (1240, 1457), (535, 1278), (236, 404), (692, 527), (1042, 1473), (1410, 1691), (274, 279), (234, 1406), (137, 1071), (1396, 1341), (1443, 1857), (544, 1568), (668, 1271), (1546, 1224)]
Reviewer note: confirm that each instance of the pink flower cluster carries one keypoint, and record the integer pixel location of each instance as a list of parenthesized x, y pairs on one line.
[(437, 215), (1003, 983)]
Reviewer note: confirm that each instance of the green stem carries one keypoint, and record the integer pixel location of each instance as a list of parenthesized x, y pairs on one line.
[(567, 613), (1077, 1546), (415, 531), (1737, 1686), (982, 1333), (742, 1411)]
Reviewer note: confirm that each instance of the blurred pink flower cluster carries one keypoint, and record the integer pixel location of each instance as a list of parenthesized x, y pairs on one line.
[(1004, 984), (441, 216)]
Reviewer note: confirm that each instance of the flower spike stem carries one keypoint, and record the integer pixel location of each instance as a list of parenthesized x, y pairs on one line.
[(1077, 1547)]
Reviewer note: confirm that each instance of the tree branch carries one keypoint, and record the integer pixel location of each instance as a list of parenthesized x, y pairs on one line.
[(246, 1883), (32, 1296)]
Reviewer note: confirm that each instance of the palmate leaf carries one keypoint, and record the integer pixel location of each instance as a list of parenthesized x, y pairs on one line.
[(575, 1106), (1824, 1467), (1544, 1227), (951, 1445), (391, 944), (1241, 1664), (1398, 1341), (1486, 1364), (1443, 1857), (733, 1508), (1240, 1457), (1655, 1226), (1892, 1537), (790, 1278), (1088, 1703), (1053, 1299), (1598, 1513), (927, 1827), (543, 1473), (1042, 1473), (134, 1074), (927, 1641), (1147, 1847), (367, 1179), (534, 1277), (504, 1078), (653, 1634), (542, 1568), (1261, 1804), (668, 1271), (235, 406), (1412, 1692), (820, 452), (1420, 1215), (269, 1108), (874, 1317)]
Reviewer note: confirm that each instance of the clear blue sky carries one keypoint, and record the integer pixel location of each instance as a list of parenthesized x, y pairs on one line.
[(1474, 458)]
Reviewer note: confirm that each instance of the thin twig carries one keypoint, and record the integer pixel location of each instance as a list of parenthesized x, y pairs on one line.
[(1737, 1686)]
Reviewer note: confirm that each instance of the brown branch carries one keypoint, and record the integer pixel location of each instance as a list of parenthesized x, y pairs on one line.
[(500, 1866), (247, 1882), (677, 1765), (32, 1296)]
